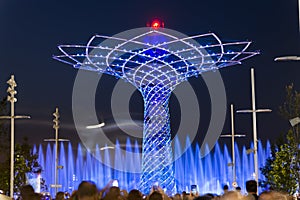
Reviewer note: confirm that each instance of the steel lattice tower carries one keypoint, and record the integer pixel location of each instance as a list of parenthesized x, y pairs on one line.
[(155, 60)]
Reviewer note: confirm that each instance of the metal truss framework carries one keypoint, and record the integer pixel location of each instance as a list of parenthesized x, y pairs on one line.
[(155, 61)]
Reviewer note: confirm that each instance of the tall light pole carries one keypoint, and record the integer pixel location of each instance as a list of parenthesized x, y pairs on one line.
[(299, 15), (56, 127), (233, 135), (291, 58), (254, 125), (56, 140), (295, 123), (11, 98)]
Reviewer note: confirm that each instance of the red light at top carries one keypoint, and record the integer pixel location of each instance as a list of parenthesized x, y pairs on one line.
[(156, 24)]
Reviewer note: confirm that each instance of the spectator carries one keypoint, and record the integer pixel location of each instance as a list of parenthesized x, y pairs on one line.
[(35, 196), (73, 195), (60, 196), (231, 195), (156, 196), (251, 187), (272, 195), (4, 197), (238, 189), (87, 191), (114, 193), (135, 195), (204, 197), (27, 192), (177, 197), (225, 189), (185, 196)]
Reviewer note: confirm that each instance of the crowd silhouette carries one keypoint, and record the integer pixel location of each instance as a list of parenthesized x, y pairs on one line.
[(88, 190)]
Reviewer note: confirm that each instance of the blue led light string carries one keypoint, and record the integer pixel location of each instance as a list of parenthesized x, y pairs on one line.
[(155, 61), (157, 151)]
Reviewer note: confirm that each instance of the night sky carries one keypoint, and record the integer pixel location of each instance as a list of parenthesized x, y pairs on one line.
[(31, 30)]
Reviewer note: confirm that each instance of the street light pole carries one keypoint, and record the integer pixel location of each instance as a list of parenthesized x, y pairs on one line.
[(56, 140), (233, 135), (12, 92), (299, 15), (295, 123), (12, 101), (56, 127), (254, 125)]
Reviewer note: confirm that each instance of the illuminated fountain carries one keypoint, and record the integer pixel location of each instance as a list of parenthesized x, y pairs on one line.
[(155, 60), (209, 172)]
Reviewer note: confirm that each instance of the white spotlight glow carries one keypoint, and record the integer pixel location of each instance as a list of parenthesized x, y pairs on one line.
[(96, 126)]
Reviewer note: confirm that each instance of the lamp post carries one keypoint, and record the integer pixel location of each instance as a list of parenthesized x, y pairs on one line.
[(290, 58), (294, 122), (254, 124), (233, 135), (56, 140), (299, 14), (11, 98), (56, 127)]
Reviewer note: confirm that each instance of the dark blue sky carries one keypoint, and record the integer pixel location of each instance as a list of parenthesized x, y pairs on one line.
[(31, 30)]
